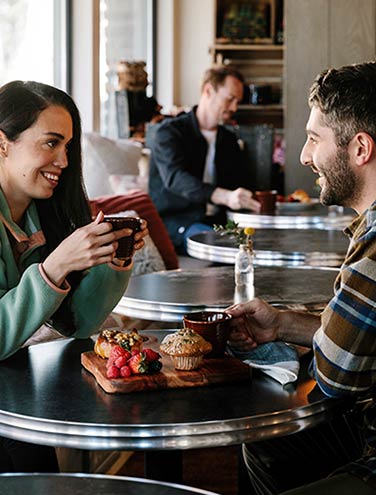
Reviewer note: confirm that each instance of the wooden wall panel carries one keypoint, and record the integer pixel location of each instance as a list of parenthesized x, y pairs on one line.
[(307, 34), (319, 34), (352, 31)]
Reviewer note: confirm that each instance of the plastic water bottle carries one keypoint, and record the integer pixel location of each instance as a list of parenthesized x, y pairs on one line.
[(244, 271)]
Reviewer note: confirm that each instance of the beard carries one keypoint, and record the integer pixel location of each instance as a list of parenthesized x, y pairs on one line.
[(342, 186)]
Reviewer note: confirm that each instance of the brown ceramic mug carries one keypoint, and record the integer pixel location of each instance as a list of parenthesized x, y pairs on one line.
[(267, 199), (213, 326), (125, 247)]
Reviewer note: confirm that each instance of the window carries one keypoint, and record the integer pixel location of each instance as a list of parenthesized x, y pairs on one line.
[(126, 33), (34, 41)]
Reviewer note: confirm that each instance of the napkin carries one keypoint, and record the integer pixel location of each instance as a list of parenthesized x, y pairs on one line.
[(276, 359)]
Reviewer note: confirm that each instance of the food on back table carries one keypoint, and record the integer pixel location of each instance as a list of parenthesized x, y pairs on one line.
[(299, 195)]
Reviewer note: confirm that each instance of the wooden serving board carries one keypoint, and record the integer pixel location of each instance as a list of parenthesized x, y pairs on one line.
[(216, 370)]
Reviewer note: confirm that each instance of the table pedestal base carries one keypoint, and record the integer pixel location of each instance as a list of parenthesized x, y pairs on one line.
[(164, 465)]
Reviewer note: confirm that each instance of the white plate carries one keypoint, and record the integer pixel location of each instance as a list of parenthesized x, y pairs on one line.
[(295, 207)]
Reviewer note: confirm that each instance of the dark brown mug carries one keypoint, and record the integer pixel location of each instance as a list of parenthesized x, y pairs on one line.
[(126, 244), (267, 199), (213, 326)]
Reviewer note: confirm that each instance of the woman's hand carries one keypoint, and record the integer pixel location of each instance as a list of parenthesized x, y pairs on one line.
[(253, 323), (88, 246)]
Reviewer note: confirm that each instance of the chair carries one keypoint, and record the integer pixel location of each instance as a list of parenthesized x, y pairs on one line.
[(111, 166), (258, 143), (122, 114), (134, 109)]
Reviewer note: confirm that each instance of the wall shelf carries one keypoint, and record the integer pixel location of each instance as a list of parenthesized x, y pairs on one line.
[(261, 61), (247, 47)]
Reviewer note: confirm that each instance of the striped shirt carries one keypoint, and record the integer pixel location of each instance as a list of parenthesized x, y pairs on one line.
[(345, 345)]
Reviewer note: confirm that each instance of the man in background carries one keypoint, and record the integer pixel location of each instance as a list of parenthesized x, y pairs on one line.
[(197, 168)]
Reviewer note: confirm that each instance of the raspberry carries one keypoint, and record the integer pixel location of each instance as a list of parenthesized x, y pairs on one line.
[(113, 372), (117, 351), (110, 362), (151, 355), (120, 361), (125, 371)]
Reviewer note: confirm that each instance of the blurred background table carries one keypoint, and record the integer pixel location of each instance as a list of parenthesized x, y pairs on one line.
[(168, 295), (90, 484), (296, 216), (283, 247)]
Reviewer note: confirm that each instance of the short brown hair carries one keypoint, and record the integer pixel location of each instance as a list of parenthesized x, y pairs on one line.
[(347, 99), (217, 74)]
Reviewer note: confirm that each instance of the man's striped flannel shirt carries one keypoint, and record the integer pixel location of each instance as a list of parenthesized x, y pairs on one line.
[(345, 344)]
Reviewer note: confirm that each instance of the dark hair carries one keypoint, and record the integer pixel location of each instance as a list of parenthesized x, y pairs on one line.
[(347, 99), (217, 74), (21, 103)]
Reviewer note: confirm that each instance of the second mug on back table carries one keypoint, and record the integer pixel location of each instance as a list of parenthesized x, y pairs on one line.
[(267, 199)]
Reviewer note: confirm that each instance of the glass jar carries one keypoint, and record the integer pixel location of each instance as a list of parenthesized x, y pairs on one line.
[(244, 271)]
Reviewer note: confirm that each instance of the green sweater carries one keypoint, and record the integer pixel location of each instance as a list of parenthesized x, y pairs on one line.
[(28, 299)]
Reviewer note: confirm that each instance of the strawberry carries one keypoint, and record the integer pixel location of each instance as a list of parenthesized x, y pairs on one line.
[(113, 372), (135, 352), (125, 371), (151, 355), (138, 364)]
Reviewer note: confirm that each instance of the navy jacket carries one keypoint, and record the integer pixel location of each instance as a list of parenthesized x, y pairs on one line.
[(178, 155)]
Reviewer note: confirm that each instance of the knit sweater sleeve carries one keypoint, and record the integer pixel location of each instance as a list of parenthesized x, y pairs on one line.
[(97, 295), (25, 307)]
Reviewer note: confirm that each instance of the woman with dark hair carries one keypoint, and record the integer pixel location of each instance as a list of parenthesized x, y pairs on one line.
[(58, 270)]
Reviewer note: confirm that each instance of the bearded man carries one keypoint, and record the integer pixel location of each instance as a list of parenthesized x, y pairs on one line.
[(341, 149)]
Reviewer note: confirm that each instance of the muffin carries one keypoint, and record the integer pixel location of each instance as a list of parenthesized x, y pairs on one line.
[(185, 348)]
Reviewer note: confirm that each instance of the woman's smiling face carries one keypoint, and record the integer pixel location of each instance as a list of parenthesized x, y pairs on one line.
[(32, 164)]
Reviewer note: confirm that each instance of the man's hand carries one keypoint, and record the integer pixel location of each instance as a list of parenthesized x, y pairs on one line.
[(236, 200), (257, 322), (253, 323)]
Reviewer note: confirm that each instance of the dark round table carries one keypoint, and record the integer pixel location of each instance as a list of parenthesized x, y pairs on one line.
[(48, 398), (296, 216), (168, 295), (283, 247), (88, 484)]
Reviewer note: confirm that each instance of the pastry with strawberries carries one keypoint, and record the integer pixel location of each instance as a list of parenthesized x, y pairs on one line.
[(107, 339)]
